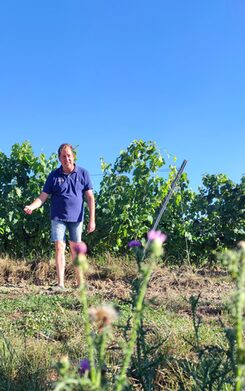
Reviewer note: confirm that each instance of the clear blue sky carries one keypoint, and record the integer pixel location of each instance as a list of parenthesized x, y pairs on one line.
[(101, 73)]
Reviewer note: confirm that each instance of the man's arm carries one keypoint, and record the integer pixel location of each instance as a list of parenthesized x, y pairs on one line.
[(28, 209), (91, 207)]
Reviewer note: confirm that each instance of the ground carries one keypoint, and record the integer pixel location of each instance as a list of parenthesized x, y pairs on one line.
[(30, 310)]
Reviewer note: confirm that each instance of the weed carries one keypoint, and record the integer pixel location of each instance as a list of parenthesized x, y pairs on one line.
[(170, 342)]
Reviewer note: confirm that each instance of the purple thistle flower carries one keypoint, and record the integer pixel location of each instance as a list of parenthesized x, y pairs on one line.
[(80, 248), (84, 366), (156, 235), (134, 243)]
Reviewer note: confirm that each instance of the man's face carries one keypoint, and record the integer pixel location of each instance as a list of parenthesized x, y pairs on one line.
[(67, 159)]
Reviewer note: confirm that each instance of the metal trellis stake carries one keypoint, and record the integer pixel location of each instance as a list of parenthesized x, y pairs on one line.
[(165, 201)]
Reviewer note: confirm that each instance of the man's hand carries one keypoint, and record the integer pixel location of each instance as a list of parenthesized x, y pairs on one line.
[(91, 227), (28, 210)]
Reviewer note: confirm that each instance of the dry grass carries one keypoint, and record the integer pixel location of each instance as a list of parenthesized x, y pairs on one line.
[(175, 286), (14, 271), (113, 280), (110, 279)]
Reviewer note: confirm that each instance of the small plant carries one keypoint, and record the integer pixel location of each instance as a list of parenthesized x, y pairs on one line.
[(211, 369), (218, 367), (23, 367), (91, 373), (235, 260), (147, 357)]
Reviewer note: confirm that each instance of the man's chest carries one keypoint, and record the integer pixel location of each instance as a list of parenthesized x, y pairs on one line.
[(67, 184)]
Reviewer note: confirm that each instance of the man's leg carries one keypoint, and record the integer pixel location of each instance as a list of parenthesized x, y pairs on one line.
[(73, 257), (58, 229), (60, 261), (75, 232)]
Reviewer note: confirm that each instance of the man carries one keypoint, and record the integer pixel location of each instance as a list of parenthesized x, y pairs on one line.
[(67, 186)]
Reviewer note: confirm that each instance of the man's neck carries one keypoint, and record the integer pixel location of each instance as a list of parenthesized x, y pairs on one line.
[(66, 171)]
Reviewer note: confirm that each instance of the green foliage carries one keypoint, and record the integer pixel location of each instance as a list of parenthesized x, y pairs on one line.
[(218, 215), (201, 224), (22, 176), (177, 221), (198, 224), (130, 194)]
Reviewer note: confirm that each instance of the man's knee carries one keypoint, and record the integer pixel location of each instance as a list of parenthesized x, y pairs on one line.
[(60, 246)]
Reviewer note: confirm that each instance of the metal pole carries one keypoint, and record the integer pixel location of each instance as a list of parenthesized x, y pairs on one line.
[(166, 200)]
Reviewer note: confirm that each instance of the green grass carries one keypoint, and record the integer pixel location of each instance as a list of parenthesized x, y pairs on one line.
[(37, 328)]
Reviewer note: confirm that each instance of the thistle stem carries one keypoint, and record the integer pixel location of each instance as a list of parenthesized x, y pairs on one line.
[(83, 295), (135, 326), (239, 323)]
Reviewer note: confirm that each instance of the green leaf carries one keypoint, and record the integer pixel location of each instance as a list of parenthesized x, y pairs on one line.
[(18, 191)]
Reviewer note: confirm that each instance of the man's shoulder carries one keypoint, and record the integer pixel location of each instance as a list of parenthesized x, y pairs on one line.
[(84, 177), (55, 173), (82, 170)]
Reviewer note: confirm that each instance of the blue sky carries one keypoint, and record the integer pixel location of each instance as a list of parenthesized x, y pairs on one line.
[(101, 73)]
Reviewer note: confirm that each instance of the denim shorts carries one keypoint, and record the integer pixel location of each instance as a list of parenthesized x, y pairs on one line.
[(58, 231)]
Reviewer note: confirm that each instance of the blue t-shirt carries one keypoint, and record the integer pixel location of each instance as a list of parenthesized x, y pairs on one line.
[(67, 193)]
